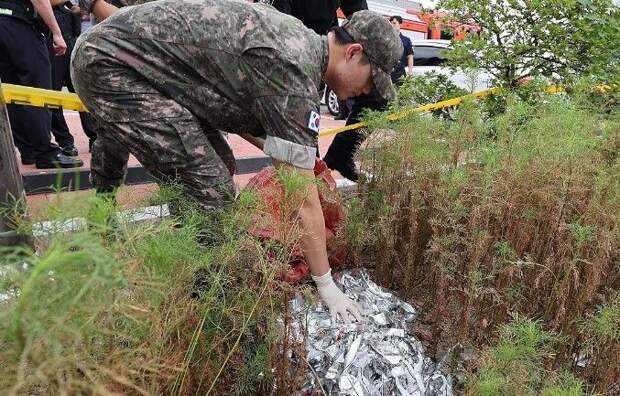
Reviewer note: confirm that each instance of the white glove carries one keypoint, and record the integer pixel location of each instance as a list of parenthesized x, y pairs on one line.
[(337, 302)]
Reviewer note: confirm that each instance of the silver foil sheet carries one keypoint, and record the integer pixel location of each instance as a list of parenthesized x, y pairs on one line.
[(377, 357)]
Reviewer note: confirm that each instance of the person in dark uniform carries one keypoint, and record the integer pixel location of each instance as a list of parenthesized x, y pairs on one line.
[(340, 154), (319, 15), (24, 60), (407, 59), (70, 22)]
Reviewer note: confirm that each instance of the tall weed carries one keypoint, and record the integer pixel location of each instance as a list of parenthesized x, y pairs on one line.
[(479, 219)]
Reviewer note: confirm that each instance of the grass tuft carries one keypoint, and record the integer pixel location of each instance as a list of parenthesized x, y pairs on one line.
[(184, 305)]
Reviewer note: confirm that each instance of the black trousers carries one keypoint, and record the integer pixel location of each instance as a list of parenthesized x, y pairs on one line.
[(61, 76), (341, 152), (343, 107), (24, 61)]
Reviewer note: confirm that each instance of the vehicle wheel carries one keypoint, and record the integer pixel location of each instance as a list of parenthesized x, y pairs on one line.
[(332, 103)]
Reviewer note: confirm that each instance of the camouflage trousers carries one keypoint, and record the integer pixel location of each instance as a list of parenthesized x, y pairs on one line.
[(133, 117)]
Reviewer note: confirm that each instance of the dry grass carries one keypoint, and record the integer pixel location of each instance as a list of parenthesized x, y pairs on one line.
[(480, 219)]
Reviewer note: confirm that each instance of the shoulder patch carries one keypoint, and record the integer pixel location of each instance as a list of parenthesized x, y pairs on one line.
[(314, 120)]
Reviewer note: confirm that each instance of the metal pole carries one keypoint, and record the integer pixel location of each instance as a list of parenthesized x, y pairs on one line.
[(12, 196)]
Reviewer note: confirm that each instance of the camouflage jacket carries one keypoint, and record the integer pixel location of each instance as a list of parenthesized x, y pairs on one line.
[(237, 66)]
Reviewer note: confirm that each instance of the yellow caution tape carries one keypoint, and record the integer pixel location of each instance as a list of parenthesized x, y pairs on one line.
[(422, 109), (19, 94), (602, 88)]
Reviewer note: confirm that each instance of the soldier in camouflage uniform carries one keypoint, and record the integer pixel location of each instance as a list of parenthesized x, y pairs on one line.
[(163, 77)]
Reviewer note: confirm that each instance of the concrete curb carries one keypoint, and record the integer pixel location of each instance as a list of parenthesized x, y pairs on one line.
[(136, 215), (46, 181)]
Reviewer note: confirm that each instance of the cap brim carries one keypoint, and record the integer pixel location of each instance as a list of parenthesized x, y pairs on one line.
[(383, 83)]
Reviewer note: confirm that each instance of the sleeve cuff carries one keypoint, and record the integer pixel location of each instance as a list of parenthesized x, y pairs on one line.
[(289, 152)]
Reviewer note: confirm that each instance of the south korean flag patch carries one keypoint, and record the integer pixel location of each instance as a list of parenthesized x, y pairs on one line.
[(314, 120)]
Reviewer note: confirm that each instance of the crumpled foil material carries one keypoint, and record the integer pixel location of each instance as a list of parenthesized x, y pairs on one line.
[(377, 357)]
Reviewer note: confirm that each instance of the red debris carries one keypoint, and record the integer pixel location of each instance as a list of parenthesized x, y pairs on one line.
[(265, 183)]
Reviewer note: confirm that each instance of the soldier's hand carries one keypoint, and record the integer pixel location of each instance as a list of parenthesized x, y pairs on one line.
[(337, 302), (60, 47)]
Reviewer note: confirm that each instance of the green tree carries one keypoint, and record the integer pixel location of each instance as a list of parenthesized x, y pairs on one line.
[(558, 39)]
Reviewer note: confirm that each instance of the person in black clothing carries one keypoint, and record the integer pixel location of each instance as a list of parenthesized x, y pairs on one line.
[(340, 154), (319, 15), (70, 23), (341, 151), (24, 60), (407, 59)]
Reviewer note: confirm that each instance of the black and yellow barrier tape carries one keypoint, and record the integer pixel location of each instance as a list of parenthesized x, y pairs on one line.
[(18, 94)]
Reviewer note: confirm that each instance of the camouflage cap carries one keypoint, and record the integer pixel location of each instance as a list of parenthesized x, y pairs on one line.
[(381, 45)]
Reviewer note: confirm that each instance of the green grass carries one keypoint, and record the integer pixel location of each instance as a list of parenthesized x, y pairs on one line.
[(514, 366), (184, 305)]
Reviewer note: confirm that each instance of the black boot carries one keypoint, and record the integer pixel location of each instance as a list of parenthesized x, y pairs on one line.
[(59, 161), (70, 151), (27, 160)]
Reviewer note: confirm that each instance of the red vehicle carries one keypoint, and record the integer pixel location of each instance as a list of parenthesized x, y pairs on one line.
[(439, 26), (420, 25)]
